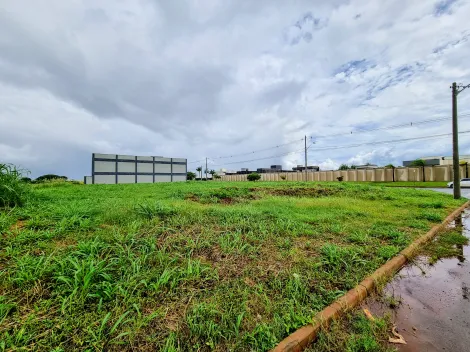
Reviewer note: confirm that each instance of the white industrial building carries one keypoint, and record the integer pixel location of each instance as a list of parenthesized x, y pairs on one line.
[(113, 169)]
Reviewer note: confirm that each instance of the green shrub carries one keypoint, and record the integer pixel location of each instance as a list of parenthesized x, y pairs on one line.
[(190, 176), (49, 177), (13, 191), (254, 176)]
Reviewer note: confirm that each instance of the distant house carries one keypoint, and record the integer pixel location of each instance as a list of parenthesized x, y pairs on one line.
[(273, 169), (438, 160), (301, 168), (366, 166)]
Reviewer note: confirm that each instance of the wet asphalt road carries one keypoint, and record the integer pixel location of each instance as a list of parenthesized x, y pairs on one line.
[(434, 314), (465, 192)]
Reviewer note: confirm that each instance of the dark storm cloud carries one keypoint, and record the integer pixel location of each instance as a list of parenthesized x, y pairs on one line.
[(153, 95)]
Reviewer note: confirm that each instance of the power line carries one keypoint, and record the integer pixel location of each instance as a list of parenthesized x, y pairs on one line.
[(409, 124), (259, 150), (197, 161), (265, 158), (386, 142), (345, 146)]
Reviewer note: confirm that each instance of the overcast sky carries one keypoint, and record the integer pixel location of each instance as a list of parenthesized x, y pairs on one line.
[(217, 78)]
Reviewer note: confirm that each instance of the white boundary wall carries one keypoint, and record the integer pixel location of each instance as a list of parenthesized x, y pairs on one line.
[(417, 174)]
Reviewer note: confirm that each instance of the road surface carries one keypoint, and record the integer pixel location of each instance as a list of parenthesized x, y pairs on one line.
[(465, 192)]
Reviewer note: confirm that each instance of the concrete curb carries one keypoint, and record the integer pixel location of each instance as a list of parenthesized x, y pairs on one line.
[(300, 339)]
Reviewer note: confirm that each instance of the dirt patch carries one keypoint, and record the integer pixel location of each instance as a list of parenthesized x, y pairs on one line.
[(235, 195), (300, 191), (65, 243), (223, 196), (18, 225)]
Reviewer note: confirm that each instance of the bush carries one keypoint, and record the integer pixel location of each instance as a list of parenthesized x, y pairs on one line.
[(190, 176), (254, 176), (50, 177), (339, 178), (13, 190)]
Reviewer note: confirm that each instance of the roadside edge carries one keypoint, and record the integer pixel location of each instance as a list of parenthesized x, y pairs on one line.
[(302, 337)]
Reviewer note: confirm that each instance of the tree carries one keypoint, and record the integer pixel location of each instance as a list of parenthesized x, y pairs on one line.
[(391, 166), (212, 172), (25, 180), (216, 176), (354, 167), (254, 176), (199, 169), (418, 162), (343, 167), (190, 176)]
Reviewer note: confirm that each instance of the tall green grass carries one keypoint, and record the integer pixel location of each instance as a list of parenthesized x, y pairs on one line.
[(13, 190)]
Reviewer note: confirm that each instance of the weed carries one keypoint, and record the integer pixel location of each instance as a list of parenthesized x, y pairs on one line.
[(430, 216), (13, 190), (433, 205), (448, 244), (106, 334), (387, 252), (6, 308), (234, 243), (152, 210), (354, 333), (204, 324), (392, 301)]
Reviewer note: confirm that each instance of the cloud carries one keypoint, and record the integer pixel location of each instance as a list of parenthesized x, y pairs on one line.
[(329, 164), (217, 78)]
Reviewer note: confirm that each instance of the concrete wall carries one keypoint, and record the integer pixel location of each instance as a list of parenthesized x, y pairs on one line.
[(112, 168), (402, 174)]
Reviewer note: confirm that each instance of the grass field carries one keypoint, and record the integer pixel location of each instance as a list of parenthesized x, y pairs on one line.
[(193, 266)]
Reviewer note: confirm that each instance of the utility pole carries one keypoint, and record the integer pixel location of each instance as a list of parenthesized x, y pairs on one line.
[(456, 89), (306, 175), (455, 143), (206, 169)]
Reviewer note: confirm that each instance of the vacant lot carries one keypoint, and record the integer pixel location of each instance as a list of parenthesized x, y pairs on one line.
[(193, 266)]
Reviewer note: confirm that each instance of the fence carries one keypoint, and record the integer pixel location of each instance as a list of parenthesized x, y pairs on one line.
[(112, 169), (401, 174)]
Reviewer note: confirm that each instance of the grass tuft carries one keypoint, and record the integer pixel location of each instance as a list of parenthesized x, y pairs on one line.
[(13, 190)]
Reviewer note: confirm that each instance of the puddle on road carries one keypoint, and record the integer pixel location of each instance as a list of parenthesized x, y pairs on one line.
[(434, 309)]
